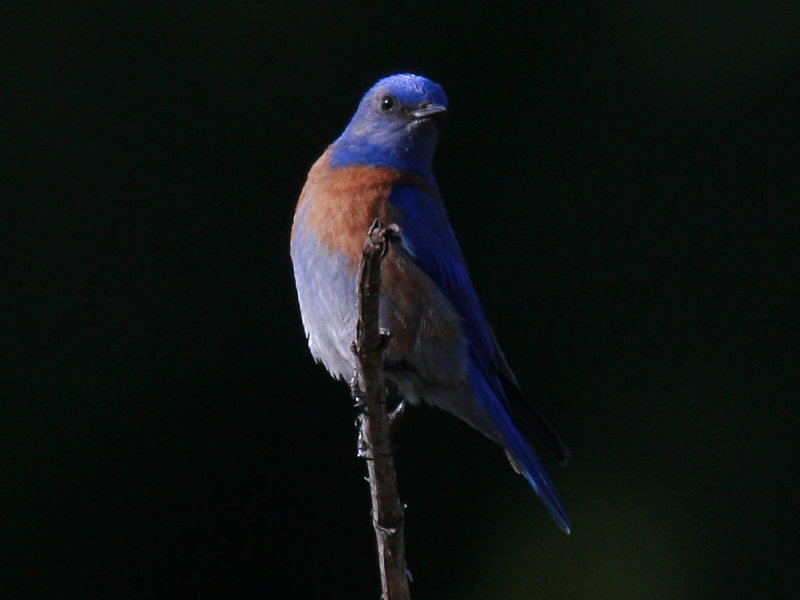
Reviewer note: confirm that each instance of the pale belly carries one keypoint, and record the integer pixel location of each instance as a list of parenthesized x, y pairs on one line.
[(326, 291)]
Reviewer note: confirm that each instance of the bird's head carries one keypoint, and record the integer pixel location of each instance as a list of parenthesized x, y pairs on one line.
[(396, 125)]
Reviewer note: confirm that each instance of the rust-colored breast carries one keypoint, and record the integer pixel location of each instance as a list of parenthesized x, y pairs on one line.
[(337, 206)]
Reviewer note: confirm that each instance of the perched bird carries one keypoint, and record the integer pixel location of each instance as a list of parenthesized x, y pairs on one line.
[(442, 348)]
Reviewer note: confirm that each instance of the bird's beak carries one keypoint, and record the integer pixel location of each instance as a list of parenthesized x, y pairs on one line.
[(431, 110)]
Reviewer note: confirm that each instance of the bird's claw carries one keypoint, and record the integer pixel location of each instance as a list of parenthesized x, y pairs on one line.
[(398, 414), (385, 337), (357, 393), (362, 449)]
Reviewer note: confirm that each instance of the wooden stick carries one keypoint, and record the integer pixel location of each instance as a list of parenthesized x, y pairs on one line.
[(375, 443)]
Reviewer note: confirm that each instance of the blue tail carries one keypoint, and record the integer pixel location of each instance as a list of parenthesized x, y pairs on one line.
[(518, 447)]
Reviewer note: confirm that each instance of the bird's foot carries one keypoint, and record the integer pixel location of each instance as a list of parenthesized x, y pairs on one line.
[(396, 399), (357, 393), (362, 448), (397, 415), (385, 337)]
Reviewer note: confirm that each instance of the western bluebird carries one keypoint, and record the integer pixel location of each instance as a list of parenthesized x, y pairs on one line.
[(442, 348)]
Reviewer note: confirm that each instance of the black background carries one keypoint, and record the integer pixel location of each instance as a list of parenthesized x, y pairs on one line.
[(624, 181)]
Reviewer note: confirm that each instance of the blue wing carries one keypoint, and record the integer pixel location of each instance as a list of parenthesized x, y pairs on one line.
[(429, 238)]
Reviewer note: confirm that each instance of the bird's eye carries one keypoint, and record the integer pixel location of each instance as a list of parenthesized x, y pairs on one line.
[(388, 103)]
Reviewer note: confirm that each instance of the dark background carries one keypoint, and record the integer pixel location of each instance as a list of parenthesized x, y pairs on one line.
[(624, 181)]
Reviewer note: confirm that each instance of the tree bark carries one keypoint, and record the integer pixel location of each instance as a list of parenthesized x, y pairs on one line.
[(375, 443)]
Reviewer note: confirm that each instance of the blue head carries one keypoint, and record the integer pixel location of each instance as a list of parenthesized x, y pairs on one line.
[(395, 126)]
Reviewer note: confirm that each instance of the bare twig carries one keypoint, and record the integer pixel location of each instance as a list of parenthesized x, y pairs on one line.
[(375, 435)]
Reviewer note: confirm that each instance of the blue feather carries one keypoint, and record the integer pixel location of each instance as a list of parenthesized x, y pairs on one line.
[(428, 236), (518, 446)]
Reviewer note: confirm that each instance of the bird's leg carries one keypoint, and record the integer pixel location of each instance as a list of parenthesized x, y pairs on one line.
[(385, 338), (394, 397), (358, 396), (398, 414), (362, 448), (357, 393)]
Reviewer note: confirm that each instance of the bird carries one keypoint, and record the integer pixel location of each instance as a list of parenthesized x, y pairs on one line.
[(442, 350)]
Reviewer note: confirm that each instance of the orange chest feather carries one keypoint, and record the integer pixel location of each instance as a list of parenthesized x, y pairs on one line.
[(337, 206)]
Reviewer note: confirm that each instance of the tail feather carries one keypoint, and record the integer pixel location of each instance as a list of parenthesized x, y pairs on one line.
[(531, 423), (534, 472), (518, 448)]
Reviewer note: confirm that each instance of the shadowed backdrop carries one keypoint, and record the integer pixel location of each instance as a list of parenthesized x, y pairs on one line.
[(623, 180)]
